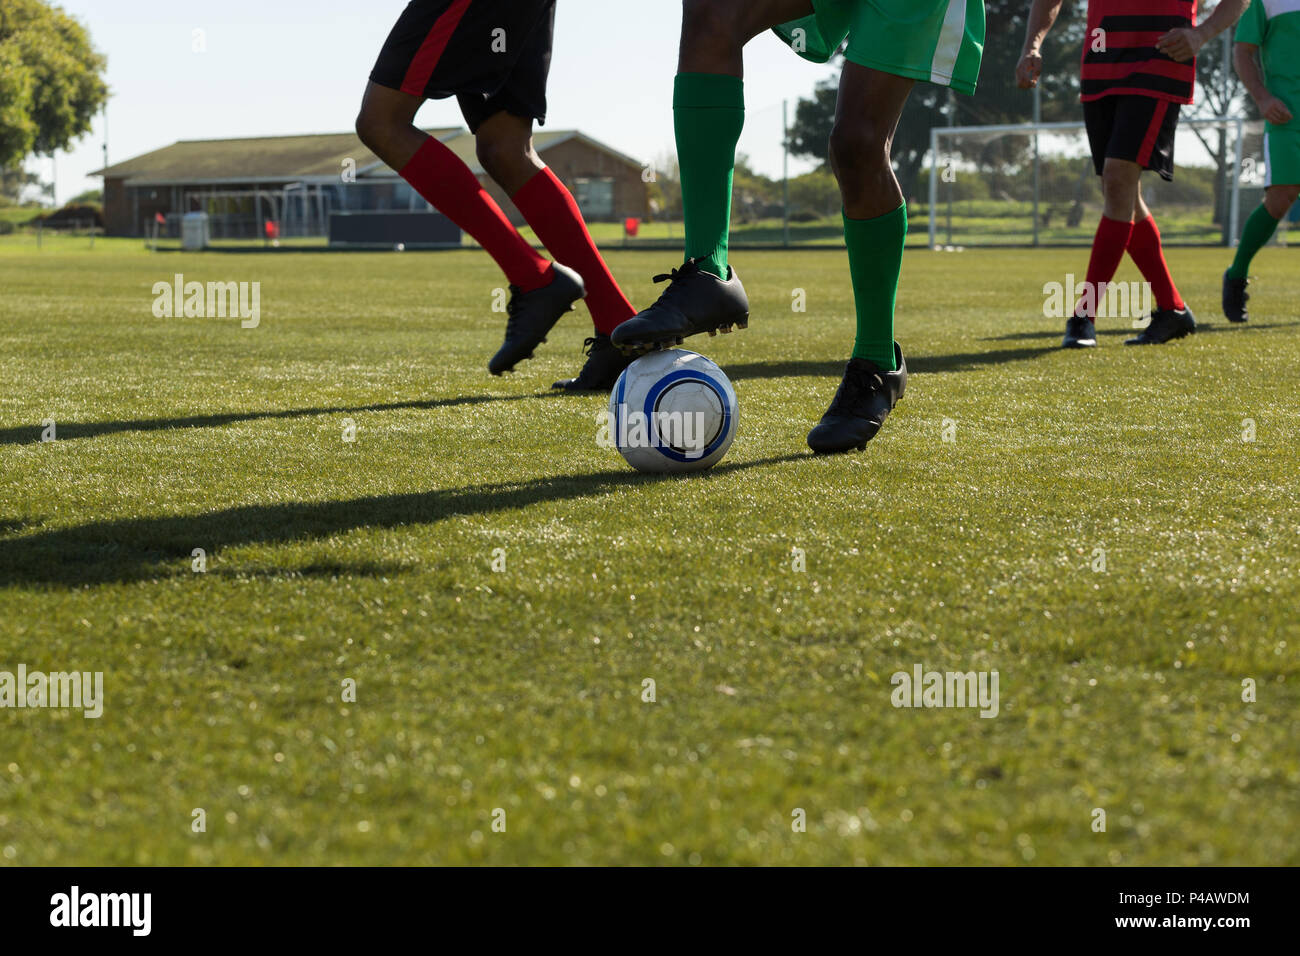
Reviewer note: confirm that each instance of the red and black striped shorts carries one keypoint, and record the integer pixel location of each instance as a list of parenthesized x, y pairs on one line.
[(1139, 129), (492, 55)]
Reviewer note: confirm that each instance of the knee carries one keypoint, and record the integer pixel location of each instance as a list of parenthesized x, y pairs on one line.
[(859, 149), (713, 20), (370, 130), (1118, 182), (500, 157)]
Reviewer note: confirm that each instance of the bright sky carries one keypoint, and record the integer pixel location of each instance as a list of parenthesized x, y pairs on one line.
[(299, 66)]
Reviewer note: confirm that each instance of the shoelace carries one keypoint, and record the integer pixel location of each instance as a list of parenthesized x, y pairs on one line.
[(689, 267)]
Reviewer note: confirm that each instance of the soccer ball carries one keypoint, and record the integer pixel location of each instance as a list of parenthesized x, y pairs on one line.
[(672, 411)]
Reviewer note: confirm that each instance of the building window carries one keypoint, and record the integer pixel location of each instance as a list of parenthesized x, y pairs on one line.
[(595, 197)]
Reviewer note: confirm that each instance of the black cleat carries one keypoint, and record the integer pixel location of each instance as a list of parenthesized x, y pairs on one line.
[(603, 367), (696, 301), (1166, 325), (533, 314), (865, 398), (1080, 333), (1235, 298)]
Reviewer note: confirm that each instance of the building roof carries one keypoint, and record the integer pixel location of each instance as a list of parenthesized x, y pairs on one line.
[(268, 158), (293, 158)]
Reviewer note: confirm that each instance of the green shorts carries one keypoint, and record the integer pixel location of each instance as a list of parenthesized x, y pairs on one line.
[(1282, 153), (941, 41)]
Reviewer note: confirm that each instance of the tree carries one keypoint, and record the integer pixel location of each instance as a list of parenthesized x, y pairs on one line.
[(996, 101), (665, 189), (51, 80), (16, 183), (753, 195)]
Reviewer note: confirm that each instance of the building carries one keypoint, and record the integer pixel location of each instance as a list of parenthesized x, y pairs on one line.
[(297, 181)]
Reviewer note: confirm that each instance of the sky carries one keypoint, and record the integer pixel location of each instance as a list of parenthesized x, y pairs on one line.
[(274, 67)]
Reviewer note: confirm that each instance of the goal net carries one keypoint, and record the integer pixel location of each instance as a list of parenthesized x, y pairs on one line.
[(1034, 184)]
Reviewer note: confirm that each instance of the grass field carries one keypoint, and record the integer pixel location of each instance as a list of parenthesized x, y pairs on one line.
[(522, 690), (966, 223)]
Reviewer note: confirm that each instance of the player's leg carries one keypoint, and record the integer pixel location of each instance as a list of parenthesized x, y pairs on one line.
[(503, 144), (875, 228), (437, 48), (1119, 186), (505, 149), (1145, 133), (709, 112), (705, 294), (1258, 230), (1147, 253), (502, 122), (385, 125), (875, 215)]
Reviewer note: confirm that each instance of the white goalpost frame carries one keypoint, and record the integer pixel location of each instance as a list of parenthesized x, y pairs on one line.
[(1236, 123)]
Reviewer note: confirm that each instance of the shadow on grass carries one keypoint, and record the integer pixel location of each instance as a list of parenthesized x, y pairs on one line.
[(327, 570), (31, 434), (916, 364), (1202, 326), (137, 549)]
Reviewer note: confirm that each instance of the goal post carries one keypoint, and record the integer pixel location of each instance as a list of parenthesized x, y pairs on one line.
[(1033, 184)]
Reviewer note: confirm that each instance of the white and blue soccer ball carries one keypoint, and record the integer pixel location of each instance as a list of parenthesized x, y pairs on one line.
[(672, 411)]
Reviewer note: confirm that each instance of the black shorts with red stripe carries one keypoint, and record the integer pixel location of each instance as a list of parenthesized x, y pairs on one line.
[(1139, 129), (492, 55)]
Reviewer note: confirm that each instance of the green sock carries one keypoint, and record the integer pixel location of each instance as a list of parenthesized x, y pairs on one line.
[(708, 113), (875, 260), (1259, 229)]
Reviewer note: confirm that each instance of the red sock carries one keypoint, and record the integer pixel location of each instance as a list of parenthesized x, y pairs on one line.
[(1107, 251), (1144, 248), (438, 174), (554, 215)]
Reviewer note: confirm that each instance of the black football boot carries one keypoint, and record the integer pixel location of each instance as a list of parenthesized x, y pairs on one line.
[(603, 367), (1080, 333), (864, 399), (1166, 325), (695, 301), (533, 314), (1235, 298)]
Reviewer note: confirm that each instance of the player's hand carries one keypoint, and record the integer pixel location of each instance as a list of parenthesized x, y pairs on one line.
[(1029, 69), (1181, 44), (1274, 110)]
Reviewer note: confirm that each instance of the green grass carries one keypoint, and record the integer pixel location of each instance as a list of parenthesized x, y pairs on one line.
[(973, 223), (522, 690)]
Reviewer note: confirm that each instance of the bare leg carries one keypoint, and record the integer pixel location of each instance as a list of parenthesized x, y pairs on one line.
[(1278, 199), (714, 32), (866, 115), (1120, 189), (386, 125), (505, 148), (1140, 210)]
